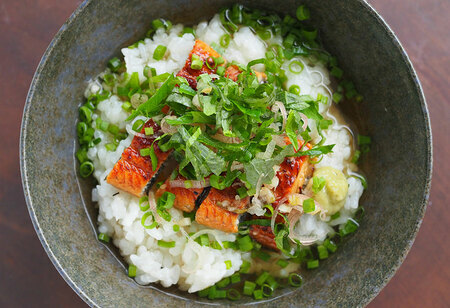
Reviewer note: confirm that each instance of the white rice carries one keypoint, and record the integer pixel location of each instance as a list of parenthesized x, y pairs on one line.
[(188, 264)]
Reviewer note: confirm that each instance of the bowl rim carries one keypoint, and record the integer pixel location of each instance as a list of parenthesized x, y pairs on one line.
[(26, 189)]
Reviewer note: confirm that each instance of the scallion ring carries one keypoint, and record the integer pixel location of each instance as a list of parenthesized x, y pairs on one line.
[(267, 290), (85, 114), (295, 280), (296, 67), (143, 203), (86, 169), (295, 89), (225, 40), (144, 218), (137, 125), (233, 294)]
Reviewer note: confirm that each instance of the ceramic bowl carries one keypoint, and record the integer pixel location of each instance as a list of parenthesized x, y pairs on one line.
[(393, 113)]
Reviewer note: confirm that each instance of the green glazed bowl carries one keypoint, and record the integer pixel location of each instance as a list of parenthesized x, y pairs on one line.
[(394, 114)]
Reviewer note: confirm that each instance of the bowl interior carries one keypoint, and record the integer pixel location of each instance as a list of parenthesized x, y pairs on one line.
[(393, 113)]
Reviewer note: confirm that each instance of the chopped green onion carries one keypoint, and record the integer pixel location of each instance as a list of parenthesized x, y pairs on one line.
[(262, 278), (149, 71), (312, 264), (204, 240), (330, 245), (249, 287), (282, 263), (258, 294), (157, 23), (225, 40), (144, 218), (245, 267), (302, 13), (111, 147), (166, 200), (137, 125), (245, 243), (242, 191), (228, 264), (82, 155), (289, 41), (296, 67), (295, 89), (235, 278), (212, 292), (85, 114), (166, 244), (267, 290), (144, 152), (148, 131), (127, 106), (176, 228), (364, 140), (81, 129), (336, 72), (308, 205), (270, 55), (309, 35), (114, 64), (264, 34), (227, 244), (272, 282), (96, 141), (196, 62), (356, 156), (351, 93), (86, 169), (350, 227), (220, 70), (104, 237), (132, 270), (159, 52), (215, 245), (335, 216), (219, 60), (189, 30), (261, 254), (113, 129), (223, 283), (270, 208), (188, 184), (322, 251), (295, 279), (153, 157), (221, 294), (143, 203), (233, 294), (337, 97), (102, 125), (203, 293)]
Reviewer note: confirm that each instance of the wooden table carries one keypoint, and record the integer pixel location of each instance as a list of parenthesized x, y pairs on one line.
[(27, 277)]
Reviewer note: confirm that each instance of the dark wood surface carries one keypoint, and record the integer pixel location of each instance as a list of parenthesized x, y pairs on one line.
[(28, 278)]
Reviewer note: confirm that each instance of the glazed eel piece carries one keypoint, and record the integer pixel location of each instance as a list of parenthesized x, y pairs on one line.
[(133, 172), (186, 199), (292, 175), (206, 54)]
